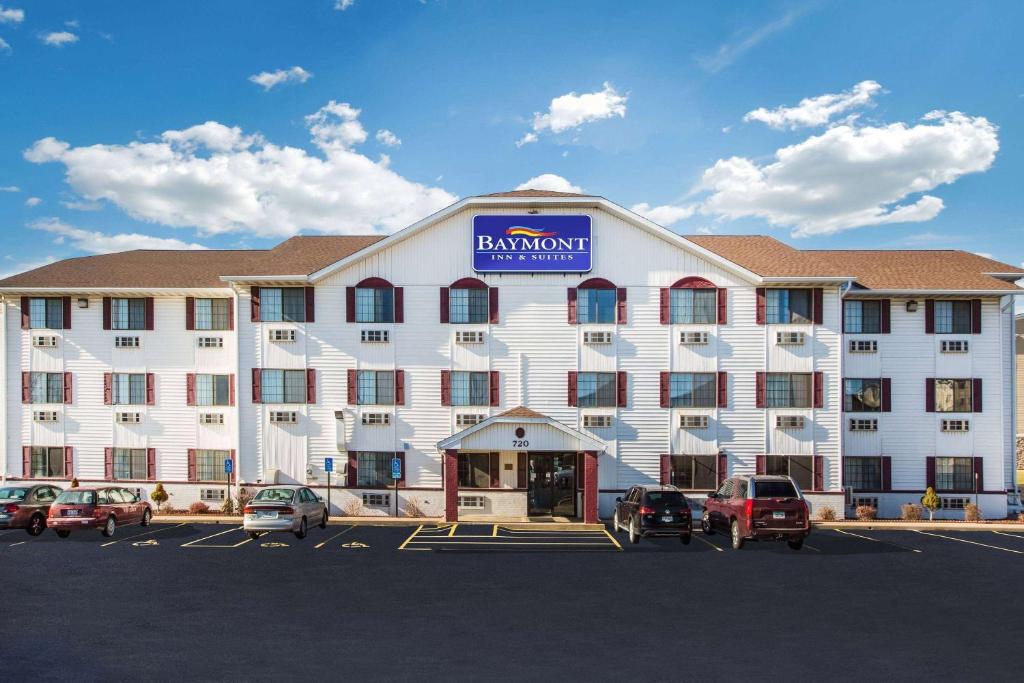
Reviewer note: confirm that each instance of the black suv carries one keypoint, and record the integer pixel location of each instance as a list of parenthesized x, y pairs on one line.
[(653, 511)]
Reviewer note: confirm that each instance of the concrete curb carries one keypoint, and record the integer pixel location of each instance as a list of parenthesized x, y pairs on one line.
[(944, 525), (357, 521)]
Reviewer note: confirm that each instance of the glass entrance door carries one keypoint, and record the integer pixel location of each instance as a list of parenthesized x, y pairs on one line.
[(552, 485)]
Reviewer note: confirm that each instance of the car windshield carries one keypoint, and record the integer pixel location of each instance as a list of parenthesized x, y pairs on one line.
[(774, 489), (666, 498), (276, 495), (76, 498), (13, 494)]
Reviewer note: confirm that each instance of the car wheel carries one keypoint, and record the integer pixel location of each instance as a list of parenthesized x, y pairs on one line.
[(685, 539), (301, 532), (737, 540), (615, 523), (254, 535), (323, 519), (705, 525), (795, 543), (146, 516), (36, 525), (634, 535), (109, 527), (63, 533)]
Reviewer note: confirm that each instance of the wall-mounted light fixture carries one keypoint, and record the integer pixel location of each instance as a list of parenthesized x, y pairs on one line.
[(912, 306), (83, 303), (533, 211)]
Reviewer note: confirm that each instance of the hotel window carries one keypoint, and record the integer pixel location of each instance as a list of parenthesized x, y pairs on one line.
[(282, 386), (210, 465), (373, 469), (130, 463), (46, 462), (697, 472), (693, 390), (375, 304), (468, 305), (788, 305), (595, 305), (47, 387), (212, 314), (863, 474), (694, 305), (475, 470), (862, 395), (214, 390), (954, 474), (283, 304), (862, 317), (799, 467), (46, 314), (128, 314), (788, 390), (375, 387), (953, 396), (953, 317), (596, 389), (128, 389), (471, 389)]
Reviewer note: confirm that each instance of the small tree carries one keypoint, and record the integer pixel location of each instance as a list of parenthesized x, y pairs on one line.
[(159, 496), (74, 482), (228, 508), (931, 501)]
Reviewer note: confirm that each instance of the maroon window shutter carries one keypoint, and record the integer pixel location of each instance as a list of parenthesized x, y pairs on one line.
[(399, 305), (723, 306), (929, 472), (106, 312), (620, 305), (666, 469), (445, 305), (150, 389), (310, 305), (522, 470), (759, 389), (26, 387), (886, 325), (975, 316), (723, 466), (399, 387), (573, 393), (66, 305), (819, 393), (69, 462), (190, 388), (353, 386), (886, 473), (231, 314), (760, 465), (886, 395), (231, 390), (664, 395), (929, 316), (818, 296), (979, 474), (26, 318), (976, 395), (495, 387), (492, 305), (254, 304), (819, 473), (446, 387), (151, 464), (26, 461), (665, 306), (108, 388), (108, 464), (68, 393), (257, 385), (723, 390), (495, 468), (929, 394), (353, 462), (149, 313), (621, 385), (310, 386), (190, 313), (350, 304), (571, 300), (191, 464), (761, 306)]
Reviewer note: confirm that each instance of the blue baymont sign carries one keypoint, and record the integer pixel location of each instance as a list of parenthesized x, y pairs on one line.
[(530, 244)]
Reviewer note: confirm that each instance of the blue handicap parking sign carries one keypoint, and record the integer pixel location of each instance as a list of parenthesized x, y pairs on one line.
[(396, 468), (228, 465), (328, 464)]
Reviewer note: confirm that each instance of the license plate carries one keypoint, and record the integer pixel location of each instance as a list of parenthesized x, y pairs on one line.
[(667, 518), (266, 515), (779, 514), (71, 513)]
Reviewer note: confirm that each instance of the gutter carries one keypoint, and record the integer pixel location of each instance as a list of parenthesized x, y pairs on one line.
[(264, 278)]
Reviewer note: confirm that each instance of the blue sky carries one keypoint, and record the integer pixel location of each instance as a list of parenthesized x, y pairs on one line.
[(229, 124)]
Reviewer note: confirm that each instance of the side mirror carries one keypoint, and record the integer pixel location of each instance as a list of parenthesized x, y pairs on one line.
[(712, 496), (320, 498), (618, 499)]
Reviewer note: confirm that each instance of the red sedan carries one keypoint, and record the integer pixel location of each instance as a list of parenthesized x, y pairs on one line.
[(104, 508), (26, 507)]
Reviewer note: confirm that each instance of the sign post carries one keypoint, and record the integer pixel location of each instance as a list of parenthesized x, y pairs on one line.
[(328, 468), (396, 474), (228, 468)]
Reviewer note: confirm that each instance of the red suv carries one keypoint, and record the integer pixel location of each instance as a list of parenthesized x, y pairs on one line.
[(103, 508), (757, 508)]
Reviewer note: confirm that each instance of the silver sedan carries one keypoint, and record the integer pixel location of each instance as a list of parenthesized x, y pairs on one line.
[(284, 508)]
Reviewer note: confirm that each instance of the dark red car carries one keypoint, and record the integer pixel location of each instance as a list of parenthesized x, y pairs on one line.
[(26, 507), (758, 508), (104, 508)]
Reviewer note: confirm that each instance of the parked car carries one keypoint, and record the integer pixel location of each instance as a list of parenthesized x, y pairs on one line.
[(758, 508), (653, 511), (26, 507), (104, 508), (284, 508)]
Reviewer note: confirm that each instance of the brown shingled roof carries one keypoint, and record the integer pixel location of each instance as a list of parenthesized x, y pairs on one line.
[(523, 412), (535, 193)]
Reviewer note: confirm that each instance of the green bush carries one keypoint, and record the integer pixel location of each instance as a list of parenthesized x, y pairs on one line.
[(74, 482)]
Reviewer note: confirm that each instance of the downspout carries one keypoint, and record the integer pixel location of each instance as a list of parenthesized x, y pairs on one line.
[(843, 290), (238, 395), (1013, 392)]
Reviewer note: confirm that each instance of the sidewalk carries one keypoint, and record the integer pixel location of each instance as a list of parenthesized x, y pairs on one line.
[(937, 525)]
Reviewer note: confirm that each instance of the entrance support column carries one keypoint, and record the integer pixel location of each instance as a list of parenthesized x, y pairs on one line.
[(450, 472), (590, 487)]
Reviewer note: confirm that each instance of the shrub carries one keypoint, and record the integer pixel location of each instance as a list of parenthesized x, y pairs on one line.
[(866, 512), (826, 514), (353, 508), (198, 508), (244, 496), (911, 512), (159, 496), (972, 513), (931, 500), (74, 482), (228, 508), (1020, 516), (413, 508)]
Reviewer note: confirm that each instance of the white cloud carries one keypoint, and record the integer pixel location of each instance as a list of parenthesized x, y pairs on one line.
[(666, 214), (853, 176), (71, 23), (983, 254), (77, 205), (220, 180), (342, 5), (729, 52), (33, 201), (816, 111), (387, 138), (550, 181), (270, 79), (5, 47), (571, 110), (25, 266), (59, 38), (10, 188), (95, 242), (11, 15)]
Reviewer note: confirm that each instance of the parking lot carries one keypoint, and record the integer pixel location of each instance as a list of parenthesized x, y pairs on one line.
[(465, 601)]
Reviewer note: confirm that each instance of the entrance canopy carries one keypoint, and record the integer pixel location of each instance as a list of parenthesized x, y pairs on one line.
[(520, 429)]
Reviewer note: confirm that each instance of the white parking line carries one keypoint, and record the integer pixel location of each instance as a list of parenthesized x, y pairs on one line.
[(1003, 533), (18, 543), (154, 531), (701, 538), (963, 540), (323, 543), (868, 538), (190, 544)]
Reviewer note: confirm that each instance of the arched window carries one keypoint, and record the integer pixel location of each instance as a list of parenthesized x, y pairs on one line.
[(597, 301), (469, 300), (693, 300), (374, 300)]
